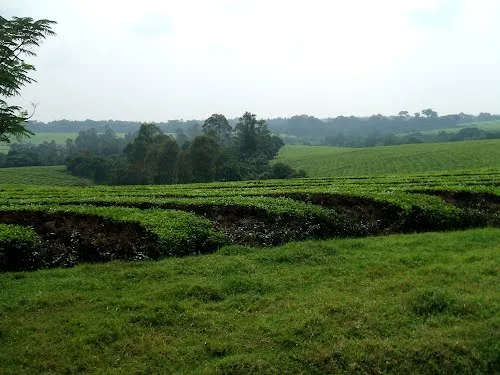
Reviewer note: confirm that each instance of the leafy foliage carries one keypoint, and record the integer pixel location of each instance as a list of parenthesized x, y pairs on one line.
[(19, 248), (18, 36), (153, 157), (73, 234), (218, 127), (23, 155), (271, 212)]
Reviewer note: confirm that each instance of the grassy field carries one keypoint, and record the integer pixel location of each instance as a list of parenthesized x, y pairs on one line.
[(489, 126), (320, 161), (38, 138), (485, 125), (422, 303), (59, 138), (51, 175)]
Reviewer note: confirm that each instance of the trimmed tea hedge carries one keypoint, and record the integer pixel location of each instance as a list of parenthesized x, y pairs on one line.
[(19, 248), (72, 234)]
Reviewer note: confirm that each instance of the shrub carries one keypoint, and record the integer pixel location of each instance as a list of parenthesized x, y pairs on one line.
[(19, 248)]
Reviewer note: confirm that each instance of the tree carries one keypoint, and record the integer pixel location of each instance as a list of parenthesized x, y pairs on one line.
[(137, 151), (184, 171), (429, 113), (218, 126), (162, 160), (305, 126), (246, 136), (403, 114), (377, 117), (194, 130), (18, 36), (180, 137), (228, 168), (485, 116), (203, 156)]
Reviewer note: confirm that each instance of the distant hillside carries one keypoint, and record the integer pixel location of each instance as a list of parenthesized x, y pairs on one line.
[(489, 126), (53, 175), (40, 137), (320, 161)]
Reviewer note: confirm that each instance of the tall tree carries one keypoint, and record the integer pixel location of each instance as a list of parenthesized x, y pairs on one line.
[(253, 138), (403, 114), (246, 134), (180, 137), (429, 113), (18, 37), (203, 154), (218, 127), (137, 151), (161, 160)]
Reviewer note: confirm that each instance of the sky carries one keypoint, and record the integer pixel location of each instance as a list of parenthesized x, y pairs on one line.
[(154, 60)]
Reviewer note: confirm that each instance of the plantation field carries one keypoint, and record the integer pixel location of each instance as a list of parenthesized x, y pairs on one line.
[(38, 138), (419, 303), (209, 278), (46, 175), (488, 126), (59, 138), (98, 223), (493, 125), (319, 161)]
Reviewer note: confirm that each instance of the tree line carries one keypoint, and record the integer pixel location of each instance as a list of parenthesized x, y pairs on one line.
[(346, 131), (220, 153)]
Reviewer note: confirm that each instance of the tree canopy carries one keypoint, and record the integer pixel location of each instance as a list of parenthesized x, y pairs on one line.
[(218, 127), (18, 37), (153, 157)]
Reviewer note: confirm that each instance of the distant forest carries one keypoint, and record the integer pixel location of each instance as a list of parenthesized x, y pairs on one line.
[(346, 131)]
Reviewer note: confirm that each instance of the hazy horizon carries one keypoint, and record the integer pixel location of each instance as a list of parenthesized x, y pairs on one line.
[(172, 60), (238, 116)]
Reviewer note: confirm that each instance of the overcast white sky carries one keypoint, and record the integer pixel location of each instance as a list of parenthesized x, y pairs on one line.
[(154, 60)]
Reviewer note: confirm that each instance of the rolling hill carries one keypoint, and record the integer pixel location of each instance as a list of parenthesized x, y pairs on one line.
[(47, 175), (325, 161)]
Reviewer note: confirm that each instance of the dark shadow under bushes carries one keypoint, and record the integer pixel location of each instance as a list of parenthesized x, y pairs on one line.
[(352, 216), (69, 238), (484, 205), (255, 226)]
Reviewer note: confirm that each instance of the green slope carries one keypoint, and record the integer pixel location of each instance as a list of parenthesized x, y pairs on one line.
[(59, 138), (38, 138), (319, 161), (52, 175), (415, 304), (489, 126)]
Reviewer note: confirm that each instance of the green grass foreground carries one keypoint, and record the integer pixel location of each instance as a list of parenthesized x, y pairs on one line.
[(321, 161), (421, 303)]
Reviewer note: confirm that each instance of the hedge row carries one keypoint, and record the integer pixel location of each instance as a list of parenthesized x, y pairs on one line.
[(72, 234), (20, 248)]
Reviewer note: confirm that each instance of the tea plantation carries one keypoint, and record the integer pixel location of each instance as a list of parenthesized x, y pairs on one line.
[(321, 161), (359, 274)]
